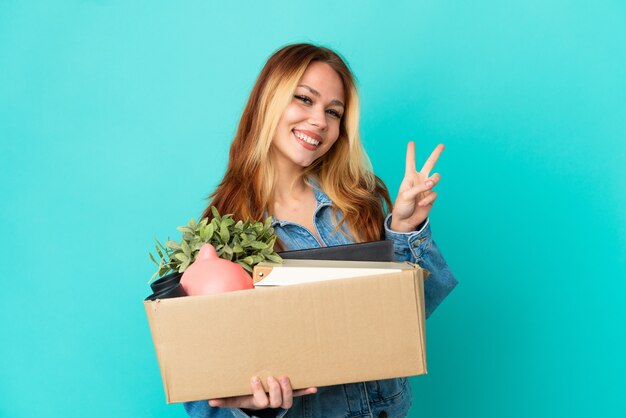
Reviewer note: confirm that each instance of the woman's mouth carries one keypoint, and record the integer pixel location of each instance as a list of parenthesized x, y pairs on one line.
[(306, 141)]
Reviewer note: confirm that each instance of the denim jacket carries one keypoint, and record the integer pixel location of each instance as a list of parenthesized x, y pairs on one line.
[(379, 398)]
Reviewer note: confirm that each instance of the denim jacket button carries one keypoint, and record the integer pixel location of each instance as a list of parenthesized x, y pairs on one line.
[(383, 414)]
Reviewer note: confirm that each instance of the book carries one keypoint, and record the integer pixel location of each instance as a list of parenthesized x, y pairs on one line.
[(362, 251)]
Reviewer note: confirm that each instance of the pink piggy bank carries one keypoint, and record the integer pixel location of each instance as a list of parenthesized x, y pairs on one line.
[(210, 274)]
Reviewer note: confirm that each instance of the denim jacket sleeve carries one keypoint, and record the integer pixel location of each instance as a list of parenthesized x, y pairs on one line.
[(418, 247)]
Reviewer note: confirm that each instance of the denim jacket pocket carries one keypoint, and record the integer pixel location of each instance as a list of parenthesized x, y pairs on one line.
[(384, 391)]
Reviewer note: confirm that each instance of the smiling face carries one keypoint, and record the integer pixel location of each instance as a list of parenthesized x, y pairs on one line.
[(309, 126)]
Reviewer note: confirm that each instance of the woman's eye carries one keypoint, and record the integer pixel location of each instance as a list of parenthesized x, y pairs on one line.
[(305, 99), (334, 113)]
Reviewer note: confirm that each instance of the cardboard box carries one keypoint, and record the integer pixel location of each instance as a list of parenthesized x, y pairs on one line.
[(317, 333)]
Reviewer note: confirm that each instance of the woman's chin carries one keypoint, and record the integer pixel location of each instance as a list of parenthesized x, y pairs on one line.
[(302, 161), (295, 159), (304, 164)]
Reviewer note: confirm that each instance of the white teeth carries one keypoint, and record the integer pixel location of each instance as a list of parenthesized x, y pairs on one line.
[(306, 138)]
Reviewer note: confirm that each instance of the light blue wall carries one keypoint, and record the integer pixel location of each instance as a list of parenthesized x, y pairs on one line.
[(115, 122)]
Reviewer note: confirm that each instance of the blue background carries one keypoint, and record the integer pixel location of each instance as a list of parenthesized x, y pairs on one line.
[(115, 124)]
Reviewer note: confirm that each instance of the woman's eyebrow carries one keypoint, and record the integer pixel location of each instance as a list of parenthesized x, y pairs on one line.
[(315, 92)]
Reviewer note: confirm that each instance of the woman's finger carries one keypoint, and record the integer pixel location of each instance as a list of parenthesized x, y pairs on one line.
[(430, 163), (302, 392), (410, 158), (276, 398), (287, 392), (258, 394), (428, 200), (217, 402), (259, 399), (413, 192), (435, 178)]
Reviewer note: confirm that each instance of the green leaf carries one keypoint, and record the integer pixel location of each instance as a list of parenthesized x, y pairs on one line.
[(173, 245), (164, 270), (152, 258), (160, 245), (228, 253), (186, 249), (216, 214), (274, 258), (224, 233), (158, 250), (183, 266), (216, 225), (245, 266), (210, 228), (182, 257), (258, 245)]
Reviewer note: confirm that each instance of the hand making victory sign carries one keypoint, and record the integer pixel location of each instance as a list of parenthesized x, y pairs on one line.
[(415, 197)]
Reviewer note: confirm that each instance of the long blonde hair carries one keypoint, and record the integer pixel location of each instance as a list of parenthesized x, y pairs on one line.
[(344, 173)]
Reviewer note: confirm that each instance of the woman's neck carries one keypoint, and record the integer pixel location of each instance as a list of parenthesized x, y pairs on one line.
[(289, 187), (290, 183)]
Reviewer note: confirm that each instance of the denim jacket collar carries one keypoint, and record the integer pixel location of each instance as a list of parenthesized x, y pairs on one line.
[(320, 196)]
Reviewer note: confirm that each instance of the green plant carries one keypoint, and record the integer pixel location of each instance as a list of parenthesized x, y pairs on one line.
[(246, 243)]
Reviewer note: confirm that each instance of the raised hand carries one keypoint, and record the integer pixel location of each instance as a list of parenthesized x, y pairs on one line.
[(415, 197), (280, 395)]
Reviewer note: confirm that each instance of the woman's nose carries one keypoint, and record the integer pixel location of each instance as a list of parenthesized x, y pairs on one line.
[(318, 118)]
